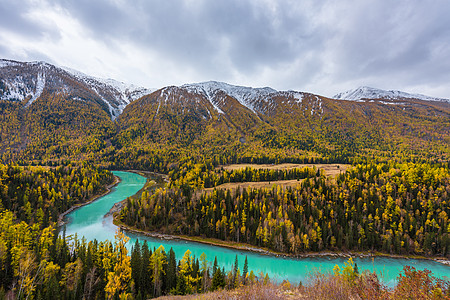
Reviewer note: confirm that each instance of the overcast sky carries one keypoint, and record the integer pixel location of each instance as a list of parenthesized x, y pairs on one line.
[(323, 47)]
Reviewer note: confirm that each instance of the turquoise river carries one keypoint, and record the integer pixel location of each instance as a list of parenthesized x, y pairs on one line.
[(89, 221)]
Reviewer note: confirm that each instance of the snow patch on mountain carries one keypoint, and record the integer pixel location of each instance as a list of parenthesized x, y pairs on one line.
[(40, 84), (392, 103), (364, 92), (297, 96), (7, 63), (17, 90)]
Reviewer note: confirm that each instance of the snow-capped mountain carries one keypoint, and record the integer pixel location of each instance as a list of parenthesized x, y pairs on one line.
[(366, 93), (260, 101), (26, 81), (246, 96)]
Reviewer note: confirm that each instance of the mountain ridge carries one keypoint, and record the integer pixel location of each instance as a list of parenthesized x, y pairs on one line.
[(117, 95), (57, 115)]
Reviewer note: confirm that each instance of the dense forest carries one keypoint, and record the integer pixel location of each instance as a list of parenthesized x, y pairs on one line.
[(38, 195), (205, 175), (393, 208), (36, 263)]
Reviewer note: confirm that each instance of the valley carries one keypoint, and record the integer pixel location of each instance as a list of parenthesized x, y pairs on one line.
[(292, 173)]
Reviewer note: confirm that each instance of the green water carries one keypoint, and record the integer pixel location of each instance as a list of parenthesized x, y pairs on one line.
[(89, 221)]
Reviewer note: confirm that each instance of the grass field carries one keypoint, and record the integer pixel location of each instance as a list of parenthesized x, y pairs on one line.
[(330, 169), (258, 185)]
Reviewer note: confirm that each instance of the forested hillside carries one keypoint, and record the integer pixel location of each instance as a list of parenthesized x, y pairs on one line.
[(315, 129), (38, 195)]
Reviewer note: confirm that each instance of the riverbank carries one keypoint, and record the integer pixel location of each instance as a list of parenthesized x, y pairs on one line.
[(61, 216), (150, 183), (269, 252), (247, 247), (147, 174)]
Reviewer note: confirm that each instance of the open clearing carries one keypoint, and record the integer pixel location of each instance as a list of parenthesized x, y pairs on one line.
[(256, 185), (330, 169)]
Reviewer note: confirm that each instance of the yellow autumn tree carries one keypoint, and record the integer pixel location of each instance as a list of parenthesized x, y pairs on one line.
[(120, 278), (157, 261)]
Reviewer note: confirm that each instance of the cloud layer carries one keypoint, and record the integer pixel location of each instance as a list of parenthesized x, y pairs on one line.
[(319, 46)]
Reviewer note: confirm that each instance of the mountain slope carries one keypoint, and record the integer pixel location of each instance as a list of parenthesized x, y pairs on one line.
[(46, 112)]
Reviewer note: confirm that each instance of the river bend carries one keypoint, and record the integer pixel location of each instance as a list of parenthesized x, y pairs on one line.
[(89, 221)]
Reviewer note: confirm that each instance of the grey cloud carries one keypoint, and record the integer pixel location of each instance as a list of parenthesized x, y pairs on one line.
[(320, 45), (203, 33), (14, 18), (395, 42), (104, 18)]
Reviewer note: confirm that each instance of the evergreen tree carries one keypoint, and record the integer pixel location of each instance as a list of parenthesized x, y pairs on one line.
[(136, 265), (245, 270), (181, 285), (146, 279), (218, 280), (215, 265), (171, 271), (235, 270)]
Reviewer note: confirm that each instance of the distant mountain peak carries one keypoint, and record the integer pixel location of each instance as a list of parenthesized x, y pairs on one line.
[(364, 92)]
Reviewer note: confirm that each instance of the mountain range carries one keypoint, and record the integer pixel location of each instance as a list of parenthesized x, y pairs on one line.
[(53, 113)]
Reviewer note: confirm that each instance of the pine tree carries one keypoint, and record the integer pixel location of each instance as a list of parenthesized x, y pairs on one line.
[(136, 265), (245, 270), (215, 265), (218, 280), (235, 270), (171, 276), (181, 285), (146, 279)]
